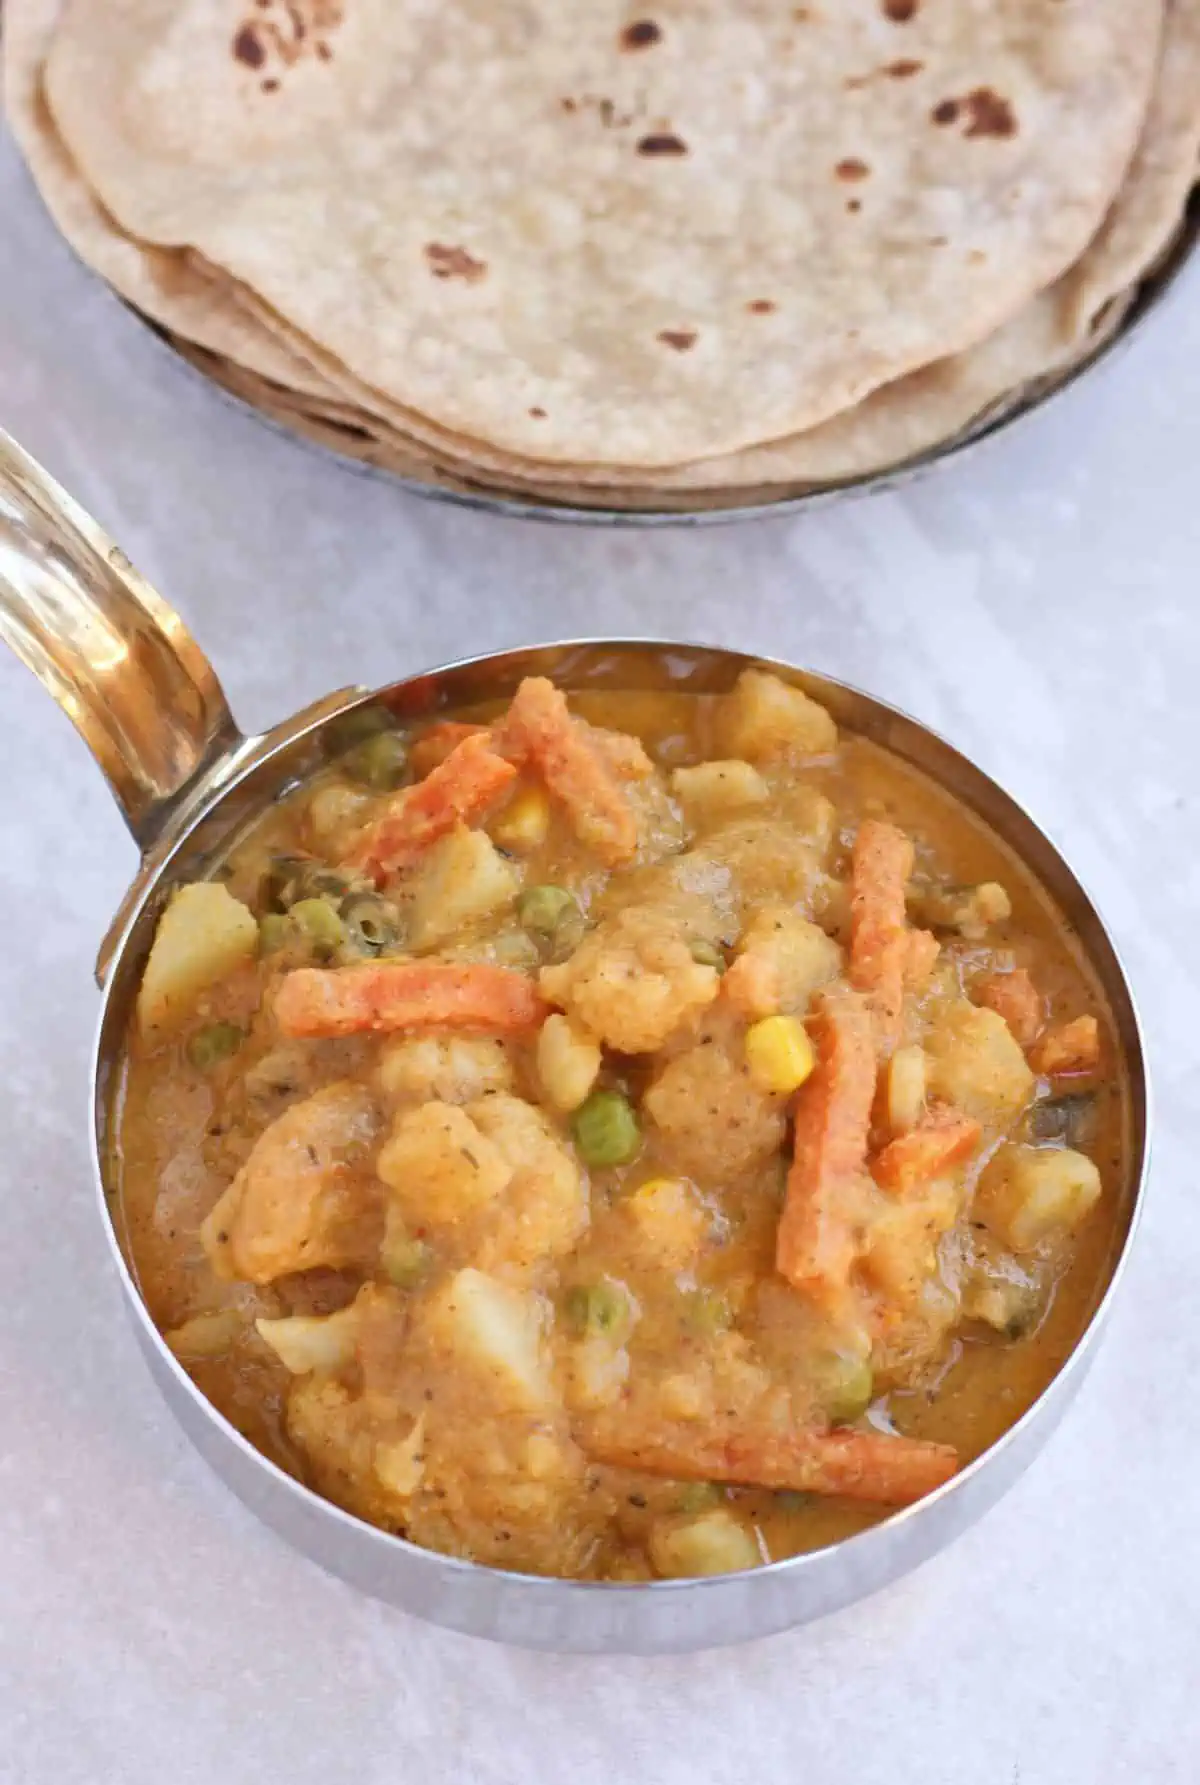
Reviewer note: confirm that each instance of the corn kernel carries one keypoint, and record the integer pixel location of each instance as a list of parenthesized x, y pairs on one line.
[(523, 824), (779, 1054)]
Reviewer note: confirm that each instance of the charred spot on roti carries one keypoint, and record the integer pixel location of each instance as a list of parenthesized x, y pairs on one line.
[(853, 205), (900, 11), (762, 306), (945, 111), (248, 48), (663, 142), (989, 114), (324, 53), (903, 69), (851, 168), (681, 339), (537, 412), (448, 261), (270, 85), (640, 34)]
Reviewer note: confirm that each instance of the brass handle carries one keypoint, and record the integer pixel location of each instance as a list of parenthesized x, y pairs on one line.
[(119, 661)]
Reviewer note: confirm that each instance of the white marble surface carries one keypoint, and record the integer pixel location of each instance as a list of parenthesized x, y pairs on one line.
[(1040, 605)]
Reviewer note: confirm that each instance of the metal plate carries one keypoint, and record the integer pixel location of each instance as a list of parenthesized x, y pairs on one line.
[(997, 419)]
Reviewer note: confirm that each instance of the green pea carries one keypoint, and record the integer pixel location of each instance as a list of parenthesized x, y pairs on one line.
[(606, 1129), (848, 1389), (706, 1312), (405, 1261), (295, 877), (316, 921), (707, 954), (214, 1043), (699, 1496), (372, 924), (273, 932), (355, 727), (592, 1308), (379, 762), (542, 910)]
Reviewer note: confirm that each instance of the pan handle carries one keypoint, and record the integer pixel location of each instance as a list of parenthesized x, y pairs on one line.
[(119, 661)]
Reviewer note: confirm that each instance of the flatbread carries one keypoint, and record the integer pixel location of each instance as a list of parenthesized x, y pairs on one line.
[(495, 217)]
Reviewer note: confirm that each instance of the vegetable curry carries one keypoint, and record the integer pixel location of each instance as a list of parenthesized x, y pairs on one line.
[(649, 1136)]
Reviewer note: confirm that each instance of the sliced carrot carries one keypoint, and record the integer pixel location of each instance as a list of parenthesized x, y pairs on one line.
[(1014, 997), (459, 790), (921, 950), (881, 863), (876, 1466), (817, 1245), (433, 746), (1068, 1049), (943, 1138), (539, 731), (386, 996)]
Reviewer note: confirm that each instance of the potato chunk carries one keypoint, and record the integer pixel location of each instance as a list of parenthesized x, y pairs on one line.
[(975, 1063), (492, 1334), (463, 880), (439, 1166), (203, 934), (1031, 1194), (716, 1542), (712, 789), (304, 1196), (304, 1342), (764, 719), (568, 1062), (741, 1126)]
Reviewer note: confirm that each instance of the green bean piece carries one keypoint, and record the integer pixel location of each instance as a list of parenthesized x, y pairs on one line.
[(405, 1261), (707, 954), (706, 1312), (355, 727), (606, 1130), (596, 1308), (847, 1390), (372, 924), (316, 921), (273, 932), (698, 1496), (379, 762), (216, 1042)]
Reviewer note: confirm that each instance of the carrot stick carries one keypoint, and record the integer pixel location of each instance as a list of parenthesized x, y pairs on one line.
[(433, 746), (577, 769), (458, 790), (880, 866), (874, 1466), (816, 1245), (389, 995), (1014, 997), (942, 1139)]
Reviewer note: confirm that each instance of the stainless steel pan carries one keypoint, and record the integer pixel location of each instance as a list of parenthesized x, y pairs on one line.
[(147, 702)]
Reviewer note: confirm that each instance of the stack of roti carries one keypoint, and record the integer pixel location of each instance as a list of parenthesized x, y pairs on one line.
[(633, 254)]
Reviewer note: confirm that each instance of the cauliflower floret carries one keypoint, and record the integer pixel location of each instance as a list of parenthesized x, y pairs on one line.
[(451, 1068), (764, 719), (357, 1447), (463, 879), (669, 1222), (304, 1196), (304, 1342), (975, 1064), (490, 1336), (440, 1166), (711, 1120), (568, 1062), (632, 982), (782, 960), (712, 789), (545, 1207)]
